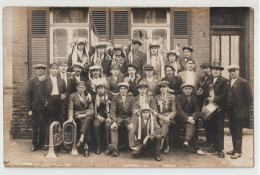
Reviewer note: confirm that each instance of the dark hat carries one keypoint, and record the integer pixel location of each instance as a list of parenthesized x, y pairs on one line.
[(125, 84), (217, 65), (81, 83), (204, 65), (148, 67), (118, 47), (188, 48), (115, 66), (53, 64), (163, 83), (186, 85), (131, 65), (190, 59), (154, 44), (37, 66), (170, 66), (79, 65), (134, 41), (63, 62), (140, 85)]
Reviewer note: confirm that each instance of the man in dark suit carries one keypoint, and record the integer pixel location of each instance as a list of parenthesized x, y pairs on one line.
[(187, 114), (239, 102), (175, 82), (148, 133), (114, 79), (77, 77), (215, 93), (36, 102), (56, 92), (121, 114), (132, 79), (81, 110), (137, 57)]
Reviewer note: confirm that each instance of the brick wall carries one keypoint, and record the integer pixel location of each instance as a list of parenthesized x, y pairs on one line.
[(199, 34), (20, 73)]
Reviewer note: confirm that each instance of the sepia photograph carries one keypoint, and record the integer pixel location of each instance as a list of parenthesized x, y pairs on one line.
[(128, 86)]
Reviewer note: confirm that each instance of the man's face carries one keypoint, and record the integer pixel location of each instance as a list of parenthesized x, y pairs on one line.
[(190, 65), (118, 52), (136, 46), (77, 69), (187, 90), (145, 114), (81, 89), (63, 68), (40, 71), (216, 72), (131, 71), (101, 50), (169, 72), (115, 72), (163, 89), (123, 90), (149, 73), (95, 73), (142, 90), (80, 46), (101, 90), (233, 73), (54, 70), (187, 53), (206, 71), (154, 50), (172, 57)]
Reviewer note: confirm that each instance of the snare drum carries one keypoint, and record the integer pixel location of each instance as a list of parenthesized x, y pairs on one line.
[(208, 110)]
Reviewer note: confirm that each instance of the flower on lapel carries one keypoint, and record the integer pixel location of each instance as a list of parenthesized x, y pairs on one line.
[(234, 85)]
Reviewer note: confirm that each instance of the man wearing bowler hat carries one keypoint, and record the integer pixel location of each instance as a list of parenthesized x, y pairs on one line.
[(215, 93), (239, 105), (36, 103)]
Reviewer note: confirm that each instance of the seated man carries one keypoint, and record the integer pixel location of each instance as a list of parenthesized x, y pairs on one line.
[(188, 111), (81, 110), (167, 112), (148, 133), (102, 120), (121, 112)]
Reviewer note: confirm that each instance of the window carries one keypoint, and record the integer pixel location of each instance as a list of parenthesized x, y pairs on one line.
[(70, 15), (149, 15)]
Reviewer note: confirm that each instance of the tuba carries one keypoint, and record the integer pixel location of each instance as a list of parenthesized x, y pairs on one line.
[(69, 136)]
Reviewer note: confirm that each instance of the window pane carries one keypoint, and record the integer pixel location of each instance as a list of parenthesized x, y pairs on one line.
[(60, 43), (70, 15), (142, 35), (150, 15), (215, 50), (80, 33), (235, 49), (160, 35), (225, 53)]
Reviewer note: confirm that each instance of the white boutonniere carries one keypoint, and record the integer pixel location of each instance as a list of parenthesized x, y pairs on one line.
[(234, 85)]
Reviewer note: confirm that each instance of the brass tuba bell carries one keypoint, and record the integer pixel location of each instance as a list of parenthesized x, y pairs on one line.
[(69, 136)]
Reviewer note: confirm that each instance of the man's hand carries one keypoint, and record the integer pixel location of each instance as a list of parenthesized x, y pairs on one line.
[(191, 120), (30, 113), (62, 97), (70, 119), (79, 116), (145, 140), (134, 148), (101, 119), (113, 126), (210, 99), (108, 120), (129, 127)]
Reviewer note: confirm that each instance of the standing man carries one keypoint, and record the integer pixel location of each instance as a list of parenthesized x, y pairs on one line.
[(137, 57), (187, 51), (215, 93), (36, 102), (239, 101), (119, 58), (114, 79), (77, 77), (132, 79)]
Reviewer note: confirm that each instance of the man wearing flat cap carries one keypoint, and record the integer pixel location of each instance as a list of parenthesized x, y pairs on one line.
[(150, 79), (187, 114), (119, 57), (77, 76), (137, 57), (114, 79), (239, 102), (36, 104), (132, 78), (166, 112), (121, 115), (215, 93)]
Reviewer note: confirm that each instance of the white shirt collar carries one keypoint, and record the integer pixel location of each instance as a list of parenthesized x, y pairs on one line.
[(149, 79)]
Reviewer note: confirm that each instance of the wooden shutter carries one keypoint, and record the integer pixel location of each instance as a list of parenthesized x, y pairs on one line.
[(101, 23), (38, 38), (121, 25), (180, 27)]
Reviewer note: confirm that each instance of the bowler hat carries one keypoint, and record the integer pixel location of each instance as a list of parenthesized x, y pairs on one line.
[(204, 65), (188, 48), (140, 85), (217, 65)]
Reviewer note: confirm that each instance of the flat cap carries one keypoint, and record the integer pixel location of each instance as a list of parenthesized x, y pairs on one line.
[(163, 83), (148, 67), (95, 67), (81, 83), (101, 83), (170, 66), (216, 65), (233, 66), (141, 85), (115, 66), (53, 64), (63, 62), (186, 85), (125, 84), (204, 65), (79, 65), (134, 41), (37, 66), (187, 48)]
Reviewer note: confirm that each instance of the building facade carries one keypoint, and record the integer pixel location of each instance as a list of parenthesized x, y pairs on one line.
[(46, 35)]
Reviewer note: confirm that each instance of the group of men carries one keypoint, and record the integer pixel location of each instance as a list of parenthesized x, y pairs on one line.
[(129, 100)]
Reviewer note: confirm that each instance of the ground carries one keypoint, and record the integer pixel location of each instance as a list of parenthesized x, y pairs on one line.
[(17, 153)]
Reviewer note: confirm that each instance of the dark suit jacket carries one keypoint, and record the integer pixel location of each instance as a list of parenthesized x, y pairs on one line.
[(132, 85), (112, 83), (74, 82), (140, 61), (35, 94), (152, 87), (242, 98), (118, 112), (61, 87), (175, 84), (69, 81), (186, 108), (76, 106), (204, 83)]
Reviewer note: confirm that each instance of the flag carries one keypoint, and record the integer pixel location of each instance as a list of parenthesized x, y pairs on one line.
[(93, 35)]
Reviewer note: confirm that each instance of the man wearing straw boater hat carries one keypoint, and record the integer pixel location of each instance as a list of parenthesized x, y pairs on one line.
[(147, 133), (36, 105), (239, 102), (215, 93)]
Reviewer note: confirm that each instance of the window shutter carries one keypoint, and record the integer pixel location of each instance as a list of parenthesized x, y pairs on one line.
[(100, 20), (180, 27), (38, 38)]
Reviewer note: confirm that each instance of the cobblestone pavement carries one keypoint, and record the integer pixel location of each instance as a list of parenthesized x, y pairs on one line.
[(17, 153)]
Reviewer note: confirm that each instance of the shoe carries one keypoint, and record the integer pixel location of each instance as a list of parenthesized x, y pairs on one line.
[(206, 143), (98, 150), (235, 156), (34, 148), (107, 152), (166, 150), (158, 158), (115, 152), (200, 152), (221, 154), (230, 152), (85, 153), (186, 144), (212, 150)]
